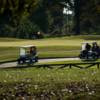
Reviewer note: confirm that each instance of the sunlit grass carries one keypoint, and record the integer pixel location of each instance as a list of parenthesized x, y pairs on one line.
[(47, 48), (12, 53), (64, 41)]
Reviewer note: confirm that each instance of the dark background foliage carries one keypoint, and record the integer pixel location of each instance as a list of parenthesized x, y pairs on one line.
[(24, 18)]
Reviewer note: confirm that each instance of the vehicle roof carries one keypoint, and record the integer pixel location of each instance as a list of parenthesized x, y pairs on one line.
[(27, 46), (88, 42)]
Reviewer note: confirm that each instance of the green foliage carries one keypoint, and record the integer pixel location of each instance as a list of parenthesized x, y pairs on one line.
[(18, 24), (37, 12), (39, 17), (26, 29), (90, 16), (47, 16)]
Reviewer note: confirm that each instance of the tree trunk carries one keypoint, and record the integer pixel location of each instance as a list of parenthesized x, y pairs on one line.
[(77, 16)]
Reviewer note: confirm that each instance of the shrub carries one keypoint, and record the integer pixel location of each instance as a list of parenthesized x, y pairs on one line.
[(26, 29)]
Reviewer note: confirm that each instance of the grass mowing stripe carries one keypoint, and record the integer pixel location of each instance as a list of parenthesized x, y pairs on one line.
[(12, 53)]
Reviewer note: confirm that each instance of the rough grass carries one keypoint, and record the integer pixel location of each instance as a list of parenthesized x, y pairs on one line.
[(46, 75), (39, 83)]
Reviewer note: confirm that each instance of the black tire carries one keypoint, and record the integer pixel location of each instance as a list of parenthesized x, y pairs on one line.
[(36, 59), (94, 56)]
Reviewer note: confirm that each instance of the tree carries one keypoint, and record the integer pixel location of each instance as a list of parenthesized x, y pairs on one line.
[(12, 11), (90, 15), (77, 13)]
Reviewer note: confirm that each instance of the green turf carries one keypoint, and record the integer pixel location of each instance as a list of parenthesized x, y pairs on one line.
[(8, 53), (46, 48), (61, 41), (12, 53)]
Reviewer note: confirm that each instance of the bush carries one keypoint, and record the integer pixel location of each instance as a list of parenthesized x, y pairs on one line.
[(26, 29)]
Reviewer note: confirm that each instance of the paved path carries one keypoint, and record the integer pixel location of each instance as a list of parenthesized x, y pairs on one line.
[(12, 64)]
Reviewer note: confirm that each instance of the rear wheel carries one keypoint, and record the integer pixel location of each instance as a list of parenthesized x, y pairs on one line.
[(36, 59)]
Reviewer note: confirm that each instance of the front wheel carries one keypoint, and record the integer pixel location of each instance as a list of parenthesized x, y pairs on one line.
[(95, 56)]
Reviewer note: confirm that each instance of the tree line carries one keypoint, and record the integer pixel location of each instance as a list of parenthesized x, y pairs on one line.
[(24, 18)]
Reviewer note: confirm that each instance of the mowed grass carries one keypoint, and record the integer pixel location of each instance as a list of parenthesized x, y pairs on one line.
[(46, 48), (40, 42), (60, 41), (12, 53)]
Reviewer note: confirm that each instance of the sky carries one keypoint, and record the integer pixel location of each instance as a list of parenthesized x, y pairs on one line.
[(66, 11)]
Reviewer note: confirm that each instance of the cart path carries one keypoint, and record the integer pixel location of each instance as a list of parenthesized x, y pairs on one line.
[(12, 64)]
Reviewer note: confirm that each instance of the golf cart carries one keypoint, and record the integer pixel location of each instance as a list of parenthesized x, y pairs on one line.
[(27, 55), (89, 51)]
